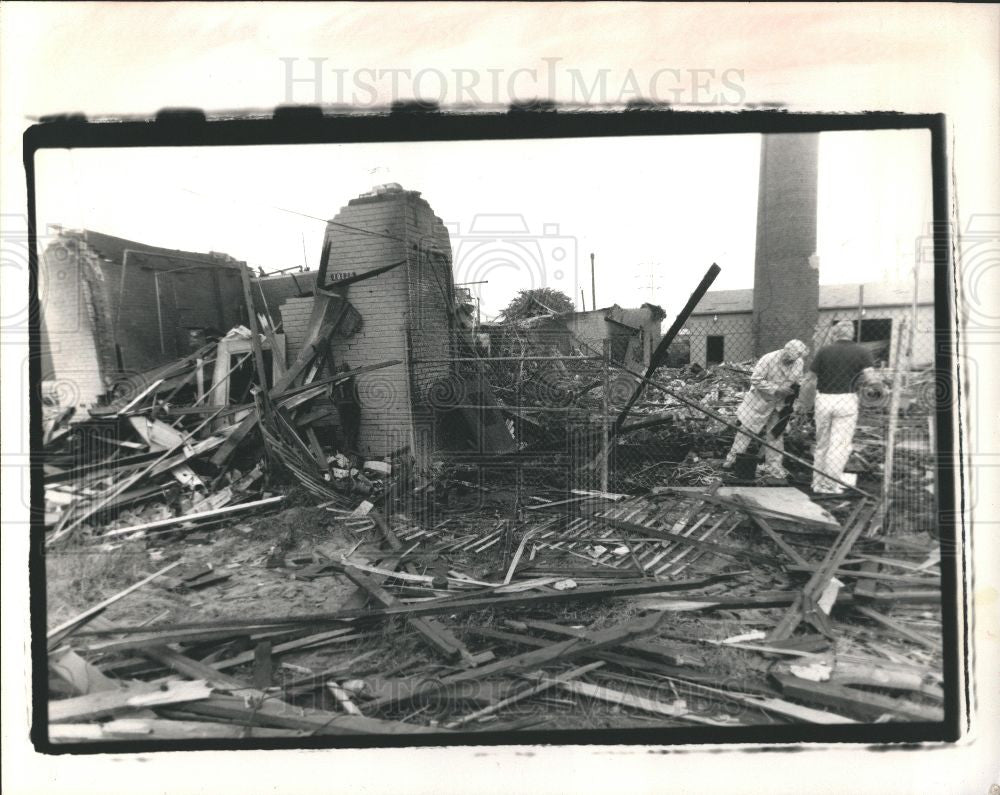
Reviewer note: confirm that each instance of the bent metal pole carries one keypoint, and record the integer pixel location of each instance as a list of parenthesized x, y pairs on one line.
[(660, 354)]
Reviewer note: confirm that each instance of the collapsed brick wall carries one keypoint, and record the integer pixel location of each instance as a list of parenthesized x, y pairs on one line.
[(786, 283), (404, 316), (271, 292), (591, 328), (294, 320), (73, 313)]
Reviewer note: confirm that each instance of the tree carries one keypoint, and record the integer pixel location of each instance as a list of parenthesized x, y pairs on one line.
[(536, 301)]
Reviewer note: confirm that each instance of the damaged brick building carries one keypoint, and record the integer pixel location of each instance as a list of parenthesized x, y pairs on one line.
[(405, 314), (112, 308)]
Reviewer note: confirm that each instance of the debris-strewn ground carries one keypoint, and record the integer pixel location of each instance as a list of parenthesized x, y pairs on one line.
[(250, 576), (709, 659)]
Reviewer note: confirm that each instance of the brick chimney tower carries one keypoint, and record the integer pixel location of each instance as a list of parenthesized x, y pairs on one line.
[(405, 313), (786, 272)]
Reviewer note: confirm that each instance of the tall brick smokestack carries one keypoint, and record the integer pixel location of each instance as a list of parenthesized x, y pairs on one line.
[(786, 276)]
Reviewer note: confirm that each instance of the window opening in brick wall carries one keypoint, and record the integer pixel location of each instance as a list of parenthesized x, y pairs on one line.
[(874, 330)]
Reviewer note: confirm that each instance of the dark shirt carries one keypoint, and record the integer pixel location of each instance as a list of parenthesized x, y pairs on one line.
[(837, 366)]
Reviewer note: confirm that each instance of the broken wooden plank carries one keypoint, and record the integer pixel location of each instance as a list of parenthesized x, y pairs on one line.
[(342, 698), (627, 661), (194, 668), (864, 704), (873, 576), (777, 705), (659, 353), (56, 634), (879, 673), (612, 696), (195, 517), (561, 651), (564, 650), (281, 714), (440, 638), (465, 604), (161, 729), (771, 533), (407, 577), (906, 632), (112, 702), (523, 694), (802, 608), (710, 546), (645, 647), (263, 666)]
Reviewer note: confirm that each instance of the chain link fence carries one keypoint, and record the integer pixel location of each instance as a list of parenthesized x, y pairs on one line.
[(559, 400)]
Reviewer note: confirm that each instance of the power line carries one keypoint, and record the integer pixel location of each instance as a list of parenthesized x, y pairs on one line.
[(312, 218)]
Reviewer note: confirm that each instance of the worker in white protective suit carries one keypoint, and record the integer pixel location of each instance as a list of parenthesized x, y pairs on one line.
[(771, 384)]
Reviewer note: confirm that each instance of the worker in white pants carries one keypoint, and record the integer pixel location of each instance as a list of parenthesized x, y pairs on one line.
[(839, 369), (836, 417), (770, 385)]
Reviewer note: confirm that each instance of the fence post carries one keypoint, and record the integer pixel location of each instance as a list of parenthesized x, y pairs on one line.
[(605, 413), (890, 441)]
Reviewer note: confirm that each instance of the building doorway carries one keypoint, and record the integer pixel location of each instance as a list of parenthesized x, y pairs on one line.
[(715, 349)]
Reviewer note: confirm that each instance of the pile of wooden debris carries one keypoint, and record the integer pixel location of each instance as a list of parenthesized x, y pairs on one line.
[(500, 611), (179, 451)]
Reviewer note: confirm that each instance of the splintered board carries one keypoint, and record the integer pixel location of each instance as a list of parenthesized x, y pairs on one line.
[(697, 525)]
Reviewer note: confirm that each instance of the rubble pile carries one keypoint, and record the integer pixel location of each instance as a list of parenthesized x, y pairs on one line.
[(726, 606), (166, 457), (293, 588)]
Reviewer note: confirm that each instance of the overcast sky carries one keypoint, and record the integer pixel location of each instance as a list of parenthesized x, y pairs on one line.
[(656, 211)]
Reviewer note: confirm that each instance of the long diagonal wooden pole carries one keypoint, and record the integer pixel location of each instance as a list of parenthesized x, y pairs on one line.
[(719, 418), (659, 355)]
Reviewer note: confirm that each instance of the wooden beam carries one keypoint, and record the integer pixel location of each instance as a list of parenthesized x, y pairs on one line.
[(113, 702), (661, 349), (195, 517), (459, 605), (899, 628), (440, 639), (280, 714), (59, 632), (864, 704), (523, 694), (822, 576), (552, 652)]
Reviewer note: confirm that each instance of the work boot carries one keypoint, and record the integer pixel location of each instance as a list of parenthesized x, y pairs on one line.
[(774, 473)]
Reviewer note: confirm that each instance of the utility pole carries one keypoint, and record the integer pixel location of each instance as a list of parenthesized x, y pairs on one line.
[(593, 284), (861, 311), (583, 301)]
